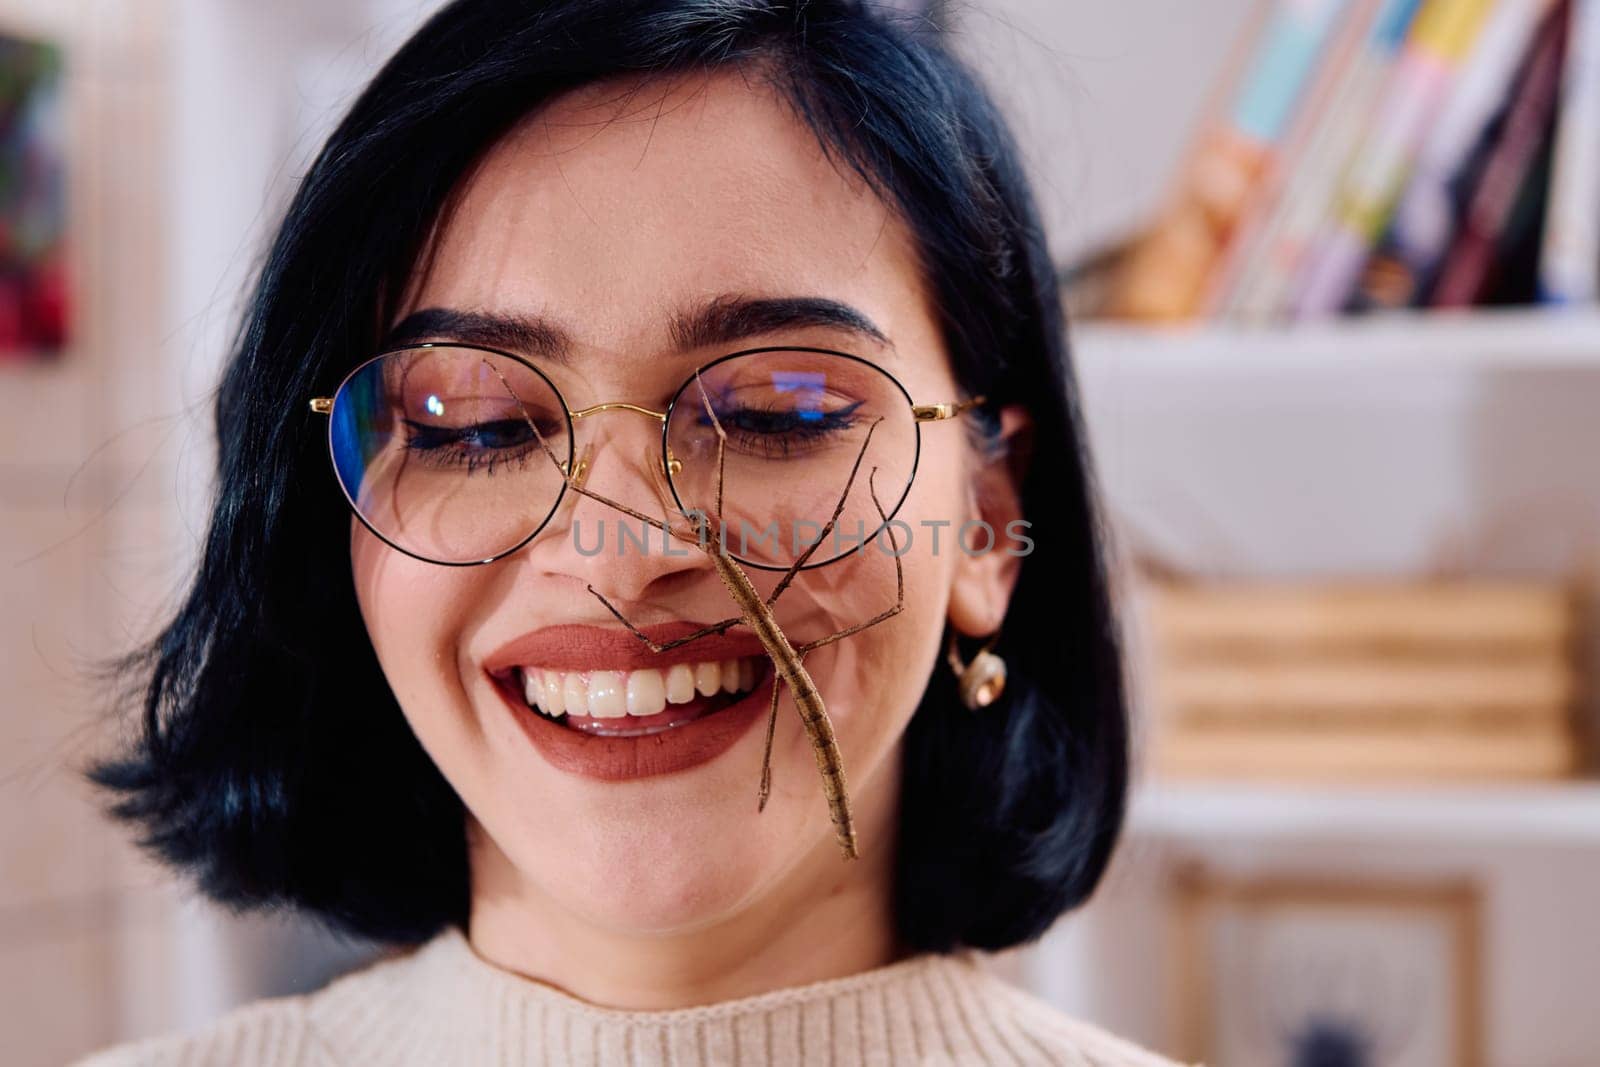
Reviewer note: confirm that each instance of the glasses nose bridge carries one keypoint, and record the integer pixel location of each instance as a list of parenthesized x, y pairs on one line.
[(668, 462), (616, 405)]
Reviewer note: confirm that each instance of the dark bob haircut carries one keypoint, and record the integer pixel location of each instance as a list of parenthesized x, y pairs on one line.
[(272, 761)]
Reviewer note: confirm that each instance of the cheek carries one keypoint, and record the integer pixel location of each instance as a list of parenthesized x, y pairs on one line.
[(414, 614), (387, 600), (875, 678)]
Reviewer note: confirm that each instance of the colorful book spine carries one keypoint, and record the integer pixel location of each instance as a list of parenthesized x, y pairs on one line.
[(1323, 92), (1423, 77), (1504, 203), (1569, 269), (1261, 289), (1166, 274), (1425, 219)]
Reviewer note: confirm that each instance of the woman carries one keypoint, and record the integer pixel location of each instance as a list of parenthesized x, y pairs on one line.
[(566, 269)]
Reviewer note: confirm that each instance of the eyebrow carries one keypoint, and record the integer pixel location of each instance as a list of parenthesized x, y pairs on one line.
[(723, 320)]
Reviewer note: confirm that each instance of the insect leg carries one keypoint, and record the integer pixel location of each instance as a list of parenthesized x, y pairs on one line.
[(714, 628), (722, 443), (899, 584), (766, 757), (827, 530)]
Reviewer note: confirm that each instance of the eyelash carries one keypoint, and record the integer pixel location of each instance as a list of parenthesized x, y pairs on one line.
[(446, 446), (782, 442), (434, 442)]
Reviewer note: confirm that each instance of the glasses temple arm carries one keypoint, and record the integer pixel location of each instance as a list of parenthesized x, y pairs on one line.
[(935, 412)]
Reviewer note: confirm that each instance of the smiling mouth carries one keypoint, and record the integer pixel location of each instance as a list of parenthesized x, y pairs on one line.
[(634, 703)]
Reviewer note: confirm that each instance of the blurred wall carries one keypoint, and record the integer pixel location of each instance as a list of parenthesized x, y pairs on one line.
[(189, 122), (82, 533), (1102, 97)]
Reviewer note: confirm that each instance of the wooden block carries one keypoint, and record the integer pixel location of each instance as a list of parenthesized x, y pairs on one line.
[(1355, 754), (1500, 617), (1370, 687), (1316, 721)]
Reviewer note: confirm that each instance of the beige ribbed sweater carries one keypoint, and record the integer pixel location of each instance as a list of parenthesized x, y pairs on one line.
[(443, 1004)]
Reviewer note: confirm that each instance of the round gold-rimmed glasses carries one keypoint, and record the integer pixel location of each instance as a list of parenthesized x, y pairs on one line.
[(437, 447)]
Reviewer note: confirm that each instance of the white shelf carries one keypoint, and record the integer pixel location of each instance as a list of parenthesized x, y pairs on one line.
[(1564, 813), (1481, 338)]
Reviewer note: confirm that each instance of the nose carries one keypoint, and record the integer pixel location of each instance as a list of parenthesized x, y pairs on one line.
[(621, 556)]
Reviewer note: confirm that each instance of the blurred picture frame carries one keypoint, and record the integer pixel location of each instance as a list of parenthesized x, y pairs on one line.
[(34, 290), (1302, 972)]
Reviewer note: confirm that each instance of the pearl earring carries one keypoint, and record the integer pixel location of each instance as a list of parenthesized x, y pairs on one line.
[(983, 680)]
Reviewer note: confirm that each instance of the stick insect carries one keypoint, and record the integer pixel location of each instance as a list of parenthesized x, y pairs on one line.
[(756, 612)]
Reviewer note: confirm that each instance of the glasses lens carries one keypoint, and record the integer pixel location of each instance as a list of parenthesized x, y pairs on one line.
[(795, 423), (437, 451)]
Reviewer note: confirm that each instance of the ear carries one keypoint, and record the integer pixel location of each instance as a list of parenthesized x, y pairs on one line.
[(984, 580)]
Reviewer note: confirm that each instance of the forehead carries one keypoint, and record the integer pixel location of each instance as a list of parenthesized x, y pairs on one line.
[(619, 203)]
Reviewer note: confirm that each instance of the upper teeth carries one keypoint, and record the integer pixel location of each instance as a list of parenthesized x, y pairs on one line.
[(614, 694)]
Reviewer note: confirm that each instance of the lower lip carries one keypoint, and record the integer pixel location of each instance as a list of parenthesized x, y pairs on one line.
[(617, 759)]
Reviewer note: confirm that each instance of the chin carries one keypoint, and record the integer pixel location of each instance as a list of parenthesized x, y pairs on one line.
[(660, 869)]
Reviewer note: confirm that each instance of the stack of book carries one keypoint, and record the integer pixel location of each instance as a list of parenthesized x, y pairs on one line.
[(1363, 680), (1375, 154)]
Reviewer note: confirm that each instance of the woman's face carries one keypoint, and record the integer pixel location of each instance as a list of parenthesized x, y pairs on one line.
[(610, 215)]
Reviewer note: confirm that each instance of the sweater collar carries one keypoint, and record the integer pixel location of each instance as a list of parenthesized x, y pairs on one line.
[(451, 951), (443, 1004)]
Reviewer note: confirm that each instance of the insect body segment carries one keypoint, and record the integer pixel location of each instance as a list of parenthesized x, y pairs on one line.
[(813, 713)]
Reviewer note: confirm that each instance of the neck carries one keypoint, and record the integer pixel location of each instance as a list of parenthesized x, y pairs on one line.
[(826, 919)]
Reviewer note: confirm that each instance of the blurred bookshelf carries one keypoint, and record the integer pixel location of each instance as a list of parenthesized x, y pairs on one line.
[(1354, 343), (1493, 339), (1487, 343), (1558, 814), (1433, 433)]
